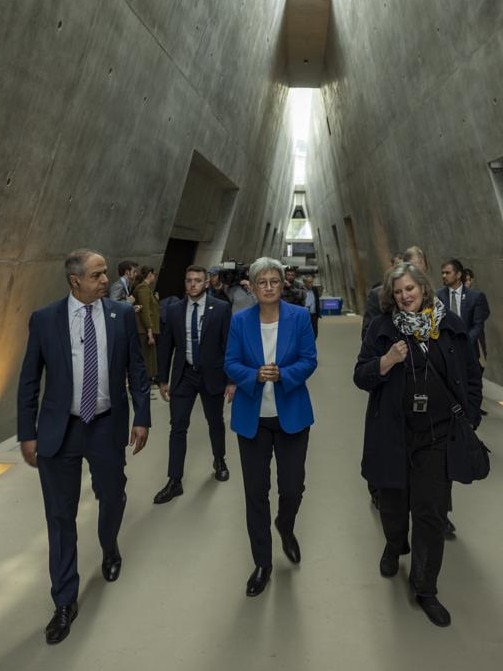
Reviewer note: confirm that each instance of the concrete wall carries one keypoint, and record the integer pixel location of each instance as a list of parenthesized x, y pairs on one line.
[(408, 117), (103, 104)]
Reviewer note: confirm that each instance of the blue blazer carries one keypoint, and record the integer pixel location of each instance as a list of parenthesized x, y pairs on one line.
[(49, 349), (295, 356)]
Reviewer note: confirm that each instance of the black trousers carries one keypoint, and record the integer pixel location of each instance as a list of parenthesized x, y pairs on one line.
[(256, 454), (60, 477), (181, 403), (427, 500)]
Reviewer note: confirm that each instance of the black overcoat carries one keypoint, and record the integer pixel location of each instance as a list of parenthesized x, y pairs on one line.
[(384, 462)]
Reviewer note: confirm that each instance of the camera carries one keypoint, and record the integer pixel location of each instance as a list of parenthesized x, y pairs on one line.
[(420, 403), (233, 272)]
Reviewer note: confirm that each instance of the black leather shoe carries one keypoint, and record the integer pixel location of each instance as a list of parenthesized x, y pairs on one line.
[(59, 627), (172, 489), (258, 580), (221, 470), (111, 565), (388, 566), (449, 529), (434, 610), (290, 545)]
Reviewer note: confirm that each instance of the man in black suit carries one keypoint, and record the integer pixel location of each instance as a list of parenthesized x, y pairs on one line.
[(87, 345), (312, 302), (196, 334), (469, 304)]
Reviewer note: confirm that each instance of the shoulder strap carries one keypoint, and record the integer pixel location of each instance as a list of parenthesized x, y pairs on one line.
[(455, 406)]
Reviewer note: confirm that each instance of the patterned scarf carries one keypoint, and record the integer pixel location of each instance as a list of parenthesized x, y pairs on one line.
[(422, 325)]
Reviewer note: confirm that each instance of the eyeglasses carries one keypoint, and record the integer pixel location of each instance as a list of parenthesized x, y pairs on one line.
[(263, 284)]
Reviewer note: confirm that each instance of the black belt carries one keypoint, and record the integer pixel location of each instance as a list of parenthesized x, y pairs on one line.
[(191, 367), (106, 413)]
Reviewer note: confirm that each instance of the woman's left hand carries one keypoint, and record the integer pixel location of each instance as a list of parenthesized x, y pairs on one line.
[(268, 373)]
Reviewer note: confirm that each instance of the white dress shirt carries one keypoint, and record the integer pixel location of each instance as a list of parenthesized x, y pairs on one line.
[(76, 316), (269, 333), (201, 304)]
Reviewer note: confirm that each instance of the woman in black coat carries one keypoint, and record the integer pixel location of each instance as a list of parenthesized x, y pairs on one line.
[(406, 451)]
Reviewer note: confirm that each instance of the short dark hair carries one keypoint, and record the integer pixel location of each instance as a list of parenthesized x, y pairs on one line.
[(124, 266), (456, 265), (144, 272), (387, 299), (467, 272), (195, 269)]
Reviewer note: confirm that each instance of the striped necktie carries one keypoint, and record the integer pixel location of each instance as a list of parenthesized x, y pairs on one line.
[(90, 378)]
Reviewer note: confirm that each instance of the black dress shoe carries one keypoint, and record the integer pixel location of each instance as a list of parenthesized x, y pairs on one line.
[(449, 529), (258, 580), (172, 489), (434, 610), (111, 565), (290, 545), (221, 470), (59, 627), (388, 566), (483, 412)]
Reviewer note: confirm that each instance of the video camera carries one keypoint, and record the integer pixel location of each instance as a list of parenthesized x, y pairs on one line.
[(233, 272)]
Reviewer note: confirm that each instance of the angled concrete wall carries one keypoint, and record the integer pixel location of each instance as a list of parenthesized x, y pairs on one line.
[(103, 104), (406, 122)]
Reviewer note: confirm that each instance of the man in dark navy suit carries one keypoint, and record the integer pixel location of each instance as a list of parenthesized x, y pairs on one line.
[(469, 304), (86, 344), (196, 334)]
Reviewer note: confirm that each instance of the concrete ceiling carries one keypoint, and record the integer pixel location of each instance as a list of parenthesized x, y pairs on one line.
[(306, 35)]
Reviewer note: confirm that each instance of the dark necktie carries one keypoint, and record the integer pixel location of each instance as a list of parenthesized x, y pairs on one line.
[(194, 336), (90, 377), (454, 303)]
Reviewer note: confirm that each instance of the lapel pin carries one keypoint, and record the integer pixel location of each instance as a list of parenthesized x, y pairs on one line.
[(211, 307), (112, 314)]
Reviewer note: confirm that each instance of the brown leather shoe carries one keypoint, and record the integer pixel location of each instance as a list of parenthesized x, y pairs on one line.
[(59, 627)]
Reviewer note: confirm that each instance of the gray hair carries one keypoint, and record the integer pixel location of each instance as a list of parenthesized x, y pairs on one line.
[(76, 260), (264, 264), (387, 299)]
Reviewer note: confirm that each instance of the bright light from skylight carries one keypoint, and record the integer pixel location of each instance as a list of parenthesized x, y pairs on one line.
[(300, 102)]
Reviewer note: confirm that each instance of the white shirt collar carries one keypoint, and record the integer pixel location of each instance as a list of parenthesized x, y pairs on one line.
[(75, 305)]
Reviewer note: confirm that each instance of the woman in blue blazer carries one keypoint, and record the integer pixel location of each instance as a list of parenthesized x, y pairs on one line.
[(270, 354)]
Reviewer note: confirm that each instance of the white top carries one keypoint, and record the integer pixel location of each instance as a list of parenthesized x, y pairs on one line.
[(76, 316), (201, 304), (269, 333)]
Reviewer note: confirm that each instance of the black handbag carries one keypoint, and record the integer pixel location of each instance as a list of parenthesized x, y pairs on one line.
[(471, 460)]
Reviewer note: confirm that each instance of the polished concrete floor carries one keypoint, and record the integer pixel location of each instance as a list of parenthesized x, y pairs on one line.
[(180, 602)]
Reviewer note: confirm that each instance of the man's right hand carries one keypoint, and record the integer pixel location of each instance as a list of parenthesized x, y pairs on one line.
[(29, 452), (164, 389)]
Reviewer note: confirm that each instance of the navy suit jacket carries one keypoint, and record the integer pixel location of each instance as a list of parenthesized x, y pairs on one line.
[(49, 350), (213, 339), (295, 357), (474, 312)]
